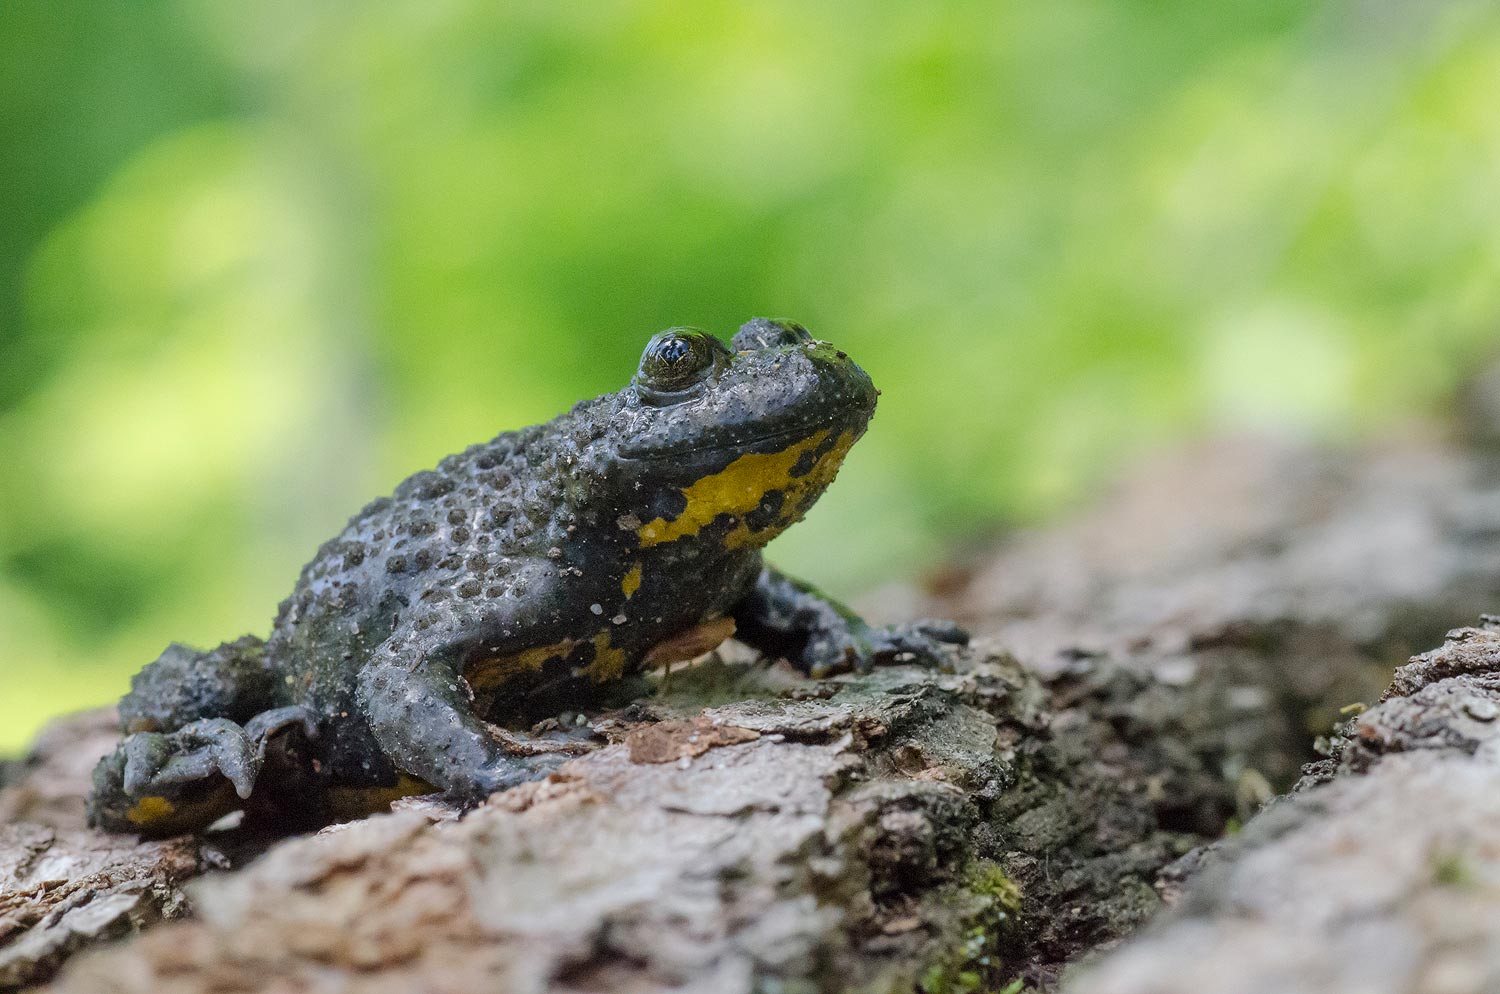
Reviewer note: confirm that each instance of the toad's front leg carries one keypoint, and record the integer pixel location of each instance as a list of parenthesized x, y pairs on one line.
[(786, 617), (420, 712), (417, 694)]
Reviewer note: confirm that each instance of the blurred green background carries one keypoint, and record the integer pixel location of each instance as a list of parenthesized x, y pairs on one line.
[(260, 261)]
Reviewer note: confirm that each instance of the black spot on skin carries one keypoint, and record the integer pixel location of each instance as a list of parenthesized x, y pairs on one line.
[(805, 463), (769, 511), (667, 506)]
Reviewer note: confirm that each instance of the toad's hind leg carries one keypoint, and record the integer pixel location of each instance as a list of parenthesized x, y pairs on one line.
[(168, 783), (184, 685), (195, 726)]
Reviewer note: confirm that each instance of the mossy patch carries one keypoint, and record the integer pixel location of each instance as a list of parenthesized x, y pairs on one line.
[(976, 966)]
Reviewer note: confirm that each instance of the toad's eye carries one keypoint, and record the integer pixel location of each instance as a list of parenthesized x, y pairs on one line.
[(678, 359)]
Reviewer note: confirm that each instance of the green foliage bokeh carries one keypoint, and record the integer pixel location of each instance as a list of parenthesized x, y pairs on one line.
[(260, 261)]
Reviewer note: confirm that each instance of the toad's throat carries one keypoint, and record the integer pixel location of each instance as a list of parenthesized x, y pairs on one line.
[(798, 473)]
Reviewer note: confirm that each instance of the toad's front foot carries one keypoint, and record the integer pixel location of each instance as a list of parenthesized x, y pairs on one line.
[(921, 642), (859, 648), (502, 775), (792, 619)]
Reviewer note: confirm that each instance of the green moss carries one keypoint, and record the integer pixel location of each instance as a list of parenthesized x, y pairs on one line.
[(989, 881), (1451, 869), (976, 965)]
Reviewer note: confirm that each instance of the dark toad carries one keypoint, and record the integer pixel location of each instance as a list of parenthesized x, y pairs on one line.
[(516, 576)]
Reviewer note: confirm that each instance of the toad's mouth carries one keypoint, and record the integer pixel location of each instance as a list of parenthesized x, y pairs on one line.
[(734, 443)]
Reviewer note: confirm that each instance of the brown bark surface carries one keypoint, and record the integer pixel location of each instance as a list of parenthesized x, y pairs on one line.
[(1381, 874), (1152, 672), (63, 888)]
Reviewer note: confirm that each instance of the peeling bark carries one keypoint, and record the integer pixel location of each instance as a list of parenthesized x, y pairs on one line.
[(1153, 673), (63, 888), (60, 892), (816, 842)]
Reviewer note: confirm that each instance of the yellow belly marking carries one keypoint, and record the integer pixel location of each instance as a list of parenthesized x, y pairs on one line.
[(491, 674), (357, 802), (151, 811), (163, 816)]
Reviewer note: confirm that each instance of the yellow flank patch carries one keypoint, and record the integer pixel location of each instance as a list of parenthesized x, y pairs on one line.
[(357, 802), (151, 811), (609, 662), (491, 673), (632, 582), (739, 488)]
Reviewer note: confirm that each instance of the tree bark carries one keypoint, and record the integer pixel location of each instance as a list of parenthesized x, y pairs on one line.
[(1381, 874), (63, 888), (1151, 673)]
